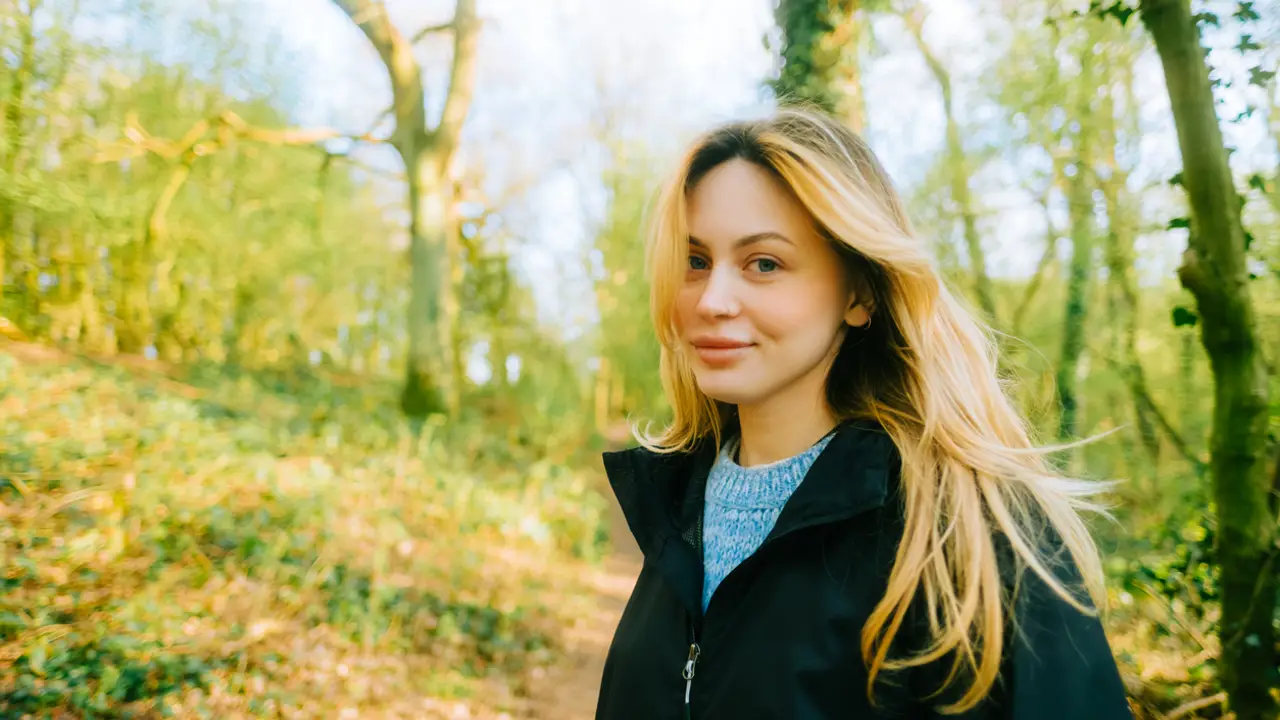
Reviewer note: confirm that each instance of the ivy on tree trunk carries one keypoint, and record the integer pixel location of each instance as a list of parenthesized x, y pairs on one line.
[(1214, 270)]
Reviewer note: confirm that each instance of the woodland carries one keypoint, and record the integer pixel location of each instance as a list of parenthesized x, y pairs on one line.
[(303, 393)]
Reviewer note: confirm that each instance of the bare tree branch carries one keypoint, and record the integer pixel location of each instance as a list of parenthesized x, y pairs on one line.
[(1046, 259), (402, 68), (228, 125), (1137, 382), (466, 37), (1192, 707), (424, 32), (290, 136)]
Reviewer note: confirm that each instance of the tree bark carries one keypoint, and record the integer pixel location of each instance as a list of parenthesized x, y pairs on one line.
[(14, 141), (426, 153), (845, 40), (1214, 270), (1122, 220), (820, 40), (1042, 268), (957, 166), (1079, 276)]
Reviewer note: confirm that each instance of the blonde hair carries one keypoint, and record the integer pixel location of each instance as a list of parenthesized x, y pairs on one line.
[(926, 372)]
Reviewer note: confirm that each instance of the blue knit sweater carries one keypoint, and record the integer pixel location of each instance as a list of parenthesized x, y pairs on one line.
[(742, 505)]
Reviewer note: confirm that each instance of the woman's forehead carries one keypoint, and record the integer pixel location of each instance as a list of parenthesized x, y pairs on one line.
[(738, 199)]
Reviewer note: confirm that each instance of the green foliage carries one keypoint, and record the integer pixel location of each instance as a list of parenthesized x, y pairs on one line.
[(1121, 11), (212, 533), (811, 60), (1184, 317), (628, 347), (262, 258)]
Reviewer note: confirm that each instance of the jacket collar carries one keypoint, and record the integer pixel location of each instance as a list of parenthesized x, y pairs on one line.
[(662, 496)]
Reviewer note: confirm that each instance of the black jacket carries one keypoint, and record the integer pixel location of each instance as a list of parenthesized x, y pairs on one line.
[(780, 638)]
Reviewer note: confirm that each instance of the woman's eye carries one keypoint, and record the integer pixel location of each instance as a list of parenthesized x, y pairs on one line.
[(697, 262), (765, 265)]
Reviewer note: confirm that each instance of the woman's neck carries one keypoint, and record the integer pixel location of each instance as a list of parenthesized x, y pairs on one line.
[(778, 429)]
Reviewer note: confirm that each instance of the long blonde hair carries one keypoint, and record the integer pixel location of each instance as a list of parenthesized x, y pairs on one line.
[(925, 371)]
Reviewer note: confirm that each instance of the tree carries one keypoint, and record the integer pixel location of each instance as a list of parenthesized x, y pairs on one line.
[(820, 41), (426, 152), (957, 163), (1214, 271), (627, 388)]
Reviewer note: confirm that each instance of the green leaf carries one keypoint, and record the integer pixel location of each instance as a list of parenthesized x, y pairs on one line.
[(1257, 182), (1184, 317), (1118, 10), (1176, 179), (1247, 44), (1180, 222), (1245, 12), (1207, 18), (37, 657), (1260, 77)]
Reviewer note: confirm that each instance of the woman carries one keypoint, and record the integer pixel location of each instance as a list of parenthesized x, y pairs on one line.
[(931, 562)]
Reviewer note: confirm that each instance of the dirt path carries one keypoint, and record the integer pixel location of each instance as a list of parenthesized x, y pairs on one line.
[(568, 691)]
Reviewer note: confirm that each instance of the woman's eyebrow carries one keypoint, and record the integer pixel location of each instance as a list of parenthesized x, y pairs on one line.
[(746, 240)]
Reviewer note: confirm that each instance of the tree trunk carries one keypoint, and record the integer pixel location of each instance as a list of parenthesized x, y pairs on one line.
[(426, 153), (1214, 271), (1122, 221), (135, 324), (427, 201), (1079, 275), (820, 40), (957, 167), (14, 140), (455, 269), (845, 40)]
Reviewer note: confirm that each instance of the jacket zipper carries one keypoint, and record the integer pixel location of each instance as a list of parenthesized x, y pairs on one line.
[(690, 667), (695, 650)]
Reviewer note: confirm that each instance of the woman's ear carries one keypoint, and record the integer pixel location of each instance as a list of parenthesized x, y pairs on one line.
[(858, 314)]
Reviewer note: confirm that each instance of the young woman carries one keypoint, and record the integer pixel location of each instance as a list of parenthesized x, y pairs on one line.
[(846, 517)]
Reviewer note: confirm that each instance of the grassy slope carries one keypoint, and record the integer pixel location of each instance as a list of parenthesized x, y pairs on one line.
[(247, 547)]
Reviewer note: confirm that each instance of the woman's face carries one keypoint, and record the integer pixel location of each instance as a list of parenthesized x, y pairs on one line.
[(766, 300)]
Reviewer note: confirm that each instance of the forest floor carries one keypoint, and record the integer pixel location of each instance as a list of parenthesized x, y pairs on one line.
[(568, 691), (379, 584), (568, 688)]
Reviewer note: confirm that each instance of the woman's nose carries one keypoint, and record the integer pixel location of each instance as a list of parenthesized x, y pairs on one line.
[(719, 297)]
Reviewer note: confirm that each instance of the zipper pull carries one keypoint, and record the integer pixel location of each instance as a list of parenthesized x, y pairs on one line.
[(689, 667)]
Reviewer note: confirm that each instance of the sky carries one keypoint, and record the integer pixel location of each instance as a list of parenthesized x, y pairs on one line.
[(553, 73)]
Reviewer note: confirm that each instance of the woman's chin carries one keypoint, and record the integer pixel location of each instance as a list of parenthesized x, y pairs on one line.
[(725, 387)]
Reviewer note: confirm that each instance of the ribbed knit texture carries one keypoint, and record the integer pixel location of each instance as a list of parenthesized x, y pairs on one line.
[(742, 505)]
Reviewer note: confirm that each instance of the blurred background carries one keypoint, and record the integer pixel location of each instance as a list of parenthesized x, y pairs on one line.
[(318, 313)]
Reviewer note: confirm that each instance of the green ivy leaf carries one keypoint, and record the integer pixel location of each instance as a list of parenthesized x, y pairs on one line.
[(1245, 12), (1245, 114), (1207, 18), (1184, 317), (1181, 222), (1247, 44), (1260, 77)]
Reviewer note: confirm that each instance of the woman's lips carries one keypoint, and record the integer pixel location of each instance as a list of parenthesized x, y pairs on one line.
[(720, 352)]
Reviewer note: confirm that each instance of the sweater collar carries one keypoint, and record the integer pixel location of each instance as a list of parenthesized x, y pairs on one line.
[(766, 486), (662, 495)]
